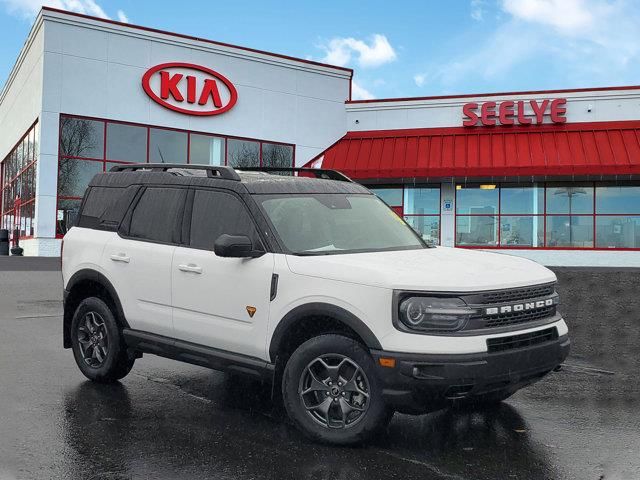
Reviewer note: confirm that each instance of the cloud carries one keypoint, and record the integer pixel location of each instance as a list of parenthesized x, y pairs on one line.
[(477, 10), (122, 17), (340, 51), (567, 16), (360, 93), (420, 79), (30, 8), (571, 42)]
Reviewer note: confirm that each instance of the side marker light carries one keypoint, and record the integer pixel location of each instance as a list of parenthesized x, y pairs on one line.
[(387, 362)]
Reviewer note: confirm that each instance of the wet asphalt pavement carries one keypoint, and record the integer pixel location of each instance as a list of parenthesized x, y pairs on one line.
[(168, 420)]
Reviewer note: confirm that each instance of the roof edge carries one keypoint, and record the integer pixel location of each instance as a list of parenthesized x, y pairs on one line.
[(24, 50), (199, 39), (488, 130), (494, 94)]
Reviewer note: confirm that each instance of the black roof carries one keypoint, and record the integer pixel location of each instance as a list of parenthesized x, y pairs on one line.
[(254, 180)]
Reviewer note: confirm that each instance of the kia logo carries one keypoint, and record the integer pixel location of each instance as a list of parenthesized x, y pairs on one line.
[(189, 89)]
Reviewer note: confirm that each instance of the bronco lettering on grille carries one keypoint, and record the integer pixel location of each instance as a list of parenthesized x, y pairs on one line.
[(521, 307)]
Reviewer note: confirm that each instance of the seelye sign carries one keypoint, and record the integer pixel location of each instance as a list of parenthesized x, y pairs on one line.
[(189, 89), (514, 112)]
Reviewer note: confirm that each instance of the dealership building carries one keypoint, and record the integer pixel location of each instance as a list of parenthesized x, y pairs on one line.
[(549, 175)]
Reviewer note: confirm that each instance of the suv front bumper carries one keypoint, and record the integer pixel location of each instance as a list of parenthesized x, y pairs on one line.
[(420, 383)]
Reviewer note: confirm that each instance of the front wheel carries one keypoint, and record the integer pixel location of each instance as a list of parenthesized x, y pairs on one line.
[(331, 391), (97, 342)]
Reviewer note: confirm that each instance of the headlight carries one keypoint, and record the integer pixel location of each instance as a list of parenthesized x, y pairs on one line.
[(435, 314)]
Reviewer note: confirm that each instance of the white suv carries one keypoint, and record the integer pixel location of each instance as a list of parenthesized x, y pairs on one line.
[(306, 280)]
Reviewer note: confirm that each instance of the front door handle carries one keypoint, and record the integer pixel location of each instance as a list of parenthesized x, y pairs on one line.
[(121, 257), (191, 268)]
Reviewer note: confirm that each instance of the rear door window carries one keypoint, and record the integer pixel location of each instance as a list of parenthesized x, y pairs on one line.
[(215, 213), (158, 215)]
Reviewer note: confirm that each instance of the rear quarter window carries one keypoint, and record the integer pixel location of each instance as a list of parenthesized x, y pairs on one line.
[(104, 207)]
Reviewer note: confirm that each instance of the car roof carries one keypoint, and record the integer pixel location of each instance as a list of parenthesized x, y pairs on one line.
[(256, 182)]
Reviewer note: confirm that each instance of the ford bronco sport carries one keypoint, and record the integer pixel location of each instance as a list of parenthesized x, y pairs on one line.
[(306, 280)]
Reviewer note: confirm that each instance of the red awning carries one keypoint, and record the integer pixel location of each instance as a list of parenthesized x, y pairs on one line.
[(603, 148)]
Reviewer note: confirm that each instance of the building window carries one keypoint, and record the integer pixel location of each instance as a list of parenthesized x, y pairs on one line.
[(569, 199), (421, 210), (81, 138), (565, 231), (206, 149), (89, 146), (167, 146), (620, 231), (617, 215), (74, 176), (277, 155), (392, 196), (476, 215), (18, 185), (602, 215), (419, 206), (243, 153), (126, 143)]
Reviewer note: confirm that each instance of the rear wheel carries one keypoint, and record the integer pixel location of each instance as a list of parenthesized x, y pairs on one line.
[(331, 391), (98, 346)]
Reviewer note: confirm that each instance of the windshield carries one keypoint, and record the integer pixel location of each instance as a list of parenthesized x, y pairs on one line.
[(337, 223)]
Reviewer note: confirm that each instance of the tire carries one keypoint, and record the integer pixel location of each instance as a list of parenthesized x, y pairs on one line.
[(485, 401), (97, 343), (343, 403)]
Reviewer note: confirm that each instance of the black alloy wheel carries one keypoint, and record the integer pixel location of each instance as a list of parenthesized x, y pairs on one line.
[(335, 391), (98, 346), (93, 339), (331, 391)]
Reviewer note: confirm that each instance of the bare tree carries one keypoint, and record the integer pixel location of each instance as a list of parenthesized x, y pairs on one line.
[(78, 137), (277, 155), (247, 155)]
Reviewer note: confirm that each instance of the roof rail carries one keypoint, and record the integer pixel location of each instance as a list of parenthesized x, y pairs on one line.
[(212, 170), (318, 172)]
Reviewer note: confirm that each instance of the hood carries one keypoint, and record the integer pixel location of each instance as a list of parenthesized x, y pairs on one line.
[(433, 269)]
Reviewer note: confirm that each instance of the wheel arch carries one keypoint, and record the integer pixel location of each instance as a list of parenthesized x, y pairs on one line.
[(85, 283), (337, 316)]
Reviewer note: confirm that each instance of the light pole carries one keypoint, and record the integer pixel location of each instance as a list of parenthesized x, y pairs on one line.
[(570, 192)]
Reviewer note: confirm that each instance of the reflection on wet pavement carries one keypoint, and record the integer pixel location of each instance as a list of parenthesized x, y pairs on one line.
[(168, 420)]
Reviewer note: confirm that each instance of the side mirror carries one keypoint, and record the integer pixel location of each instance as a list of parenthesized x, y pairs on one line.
[(235, 246)]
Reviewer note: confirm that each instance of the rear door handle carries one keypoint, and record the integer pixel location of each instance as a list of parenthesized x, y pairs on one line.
[(191, 268), (121, 257)]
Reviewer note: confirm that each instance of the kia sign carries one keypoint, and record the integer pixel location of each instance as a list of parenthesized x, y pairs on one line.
[(189, 89), (512, 113)]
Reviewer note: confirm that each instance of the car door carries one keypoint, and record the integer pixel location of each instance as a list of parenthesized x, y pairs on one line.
[(138, 260), (221, 302)]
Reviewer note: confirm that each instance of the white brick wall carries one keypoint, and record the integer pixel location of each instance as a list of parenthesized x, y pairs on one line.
[(589, 106), (41, 247)]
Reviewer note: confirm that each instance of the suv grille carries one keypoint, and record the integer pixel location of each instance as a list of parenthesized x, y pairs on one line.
[(516, 294), (501, 298), (521, 341), (514, 318)]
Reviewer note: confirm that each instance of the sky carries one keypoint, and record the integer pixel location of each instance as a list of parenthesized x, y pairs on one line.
[(398, 48)]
